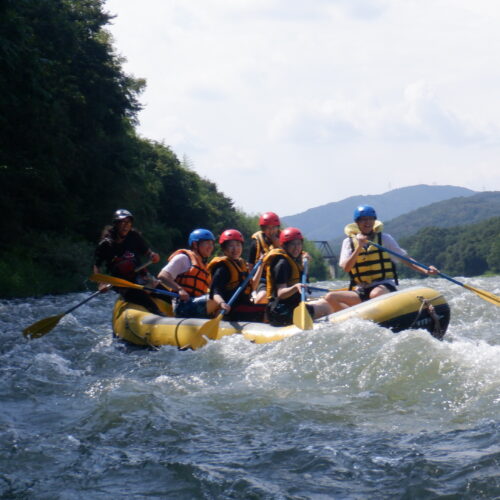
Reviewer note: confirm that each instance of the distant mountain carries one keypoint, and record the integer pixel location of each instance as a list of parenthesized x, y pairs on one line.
[(327, 222), (449, 213)]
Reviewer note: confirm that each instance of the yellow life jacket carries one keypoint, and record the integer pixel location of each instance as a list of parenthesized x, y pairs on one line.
[(263, 247), (238, 271), (196, 280), (372, 264), (296, 267)]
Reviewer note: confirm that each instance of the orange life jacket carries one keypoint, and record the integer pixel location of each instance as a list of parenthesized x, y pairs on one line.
[(196, 280)]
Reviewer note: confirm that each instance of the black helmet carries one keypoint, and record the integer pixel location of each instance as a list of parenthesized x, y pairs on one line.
[(121, 214)]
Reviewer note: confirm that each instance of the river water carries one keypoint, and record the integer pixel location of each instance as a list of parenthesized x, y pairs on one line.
[(350, 411)]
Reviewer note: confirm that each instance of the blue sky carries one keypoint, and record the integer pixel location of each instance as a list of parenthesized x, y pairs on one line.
[(289, 104)]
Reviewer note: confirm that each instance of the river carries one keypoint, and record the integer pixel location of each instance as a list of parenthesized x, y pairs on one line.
[(351, 411)]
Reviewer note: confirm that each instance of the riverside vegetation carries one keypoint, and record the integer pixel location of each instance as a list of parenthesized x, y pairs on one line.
[(70, 155)]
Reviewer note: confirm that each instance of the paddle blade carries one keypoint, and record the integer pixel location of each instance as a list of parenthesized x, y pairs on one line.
[(301, 317), (42, 327), (111, 280), (210, 329), (490, 297)]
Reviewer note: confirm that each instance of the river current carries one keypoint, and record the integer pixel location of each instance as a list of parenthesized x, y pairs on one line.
[(350, 411)]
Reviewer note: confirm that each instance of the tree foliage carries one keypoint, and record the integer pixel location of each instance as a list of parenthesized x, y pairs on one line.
[(70, 156), (469, 250)]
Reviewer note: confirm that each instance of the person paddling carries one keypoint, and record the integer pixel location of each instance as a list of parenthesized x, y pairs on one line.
[(262, 243), (120, 251), (372, 271), (186, 273), (228, 273), (284, 268)]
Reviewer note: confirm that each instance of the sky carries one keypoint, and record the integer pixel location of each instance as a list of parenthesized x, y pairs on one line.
[(291, 104)]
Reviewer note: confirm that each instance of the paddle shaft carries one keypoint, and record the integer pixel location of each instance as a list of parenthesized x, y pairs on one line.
[(319, 289), (119, 282), (411, 261), (244, 283), (210, 328), (85, 301), (304, 280)]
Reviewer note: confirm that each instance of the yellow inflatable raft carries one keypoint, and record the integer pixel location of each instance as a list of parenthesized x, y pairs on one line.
[(416, 307)]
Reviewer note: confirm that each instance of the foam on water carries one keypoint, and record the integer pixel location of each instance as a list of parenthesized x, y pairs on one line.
[(351, 410)]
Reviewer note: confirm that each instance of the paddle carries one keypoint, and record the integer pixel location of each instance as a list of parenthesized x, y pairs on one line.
[(488, 296), (119, 282), (319, 289), (301, 317), (210, 329), (45, 325)]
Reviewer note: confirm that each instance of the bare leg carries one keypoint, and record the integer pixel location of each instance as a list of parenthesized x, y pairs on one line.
[(260, 297), (378, 291), (333, 302), (342, 300)]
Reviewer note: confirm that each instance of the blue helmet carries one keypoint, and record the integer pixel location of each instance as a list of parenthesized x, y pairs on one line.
[(200, 234), (364, 211)]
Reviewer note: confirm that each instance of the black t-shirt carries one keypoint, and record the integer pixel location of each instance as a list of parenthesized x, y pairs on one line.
[(110, 252), (252, 255), (281, 272), (220, 279)]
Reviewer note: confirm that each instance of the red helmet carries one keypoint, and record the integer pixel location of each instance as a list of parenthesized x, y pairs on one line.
[(269, 219), (289, 234), (231, 234)]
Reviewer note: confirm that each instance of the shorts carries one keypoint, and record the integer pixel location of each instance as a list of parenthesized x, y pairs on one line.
[(364, 292), (192, 308), (262, 286)]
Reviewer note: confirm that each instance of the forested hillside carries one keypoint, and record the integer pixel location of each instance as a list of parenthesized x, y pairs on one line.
[(327, 222), (460, 251), (459, 211), (70, 156)]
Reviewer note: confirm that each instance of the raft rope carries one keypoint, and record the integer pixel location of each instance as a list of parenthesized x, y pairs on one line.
[(140, 337), (427, 306)]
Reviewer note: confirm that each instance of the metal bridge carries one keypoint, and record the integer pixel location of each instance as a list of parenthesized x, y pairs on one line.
[(327, 253)]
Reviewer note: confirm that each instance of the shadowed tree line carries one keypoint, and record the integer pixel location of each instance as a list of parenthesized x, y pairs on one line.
[(70, 155)]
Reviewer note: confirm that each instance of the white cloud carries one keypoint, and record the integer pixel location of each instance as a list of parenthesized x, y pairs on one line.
[(294, 104)]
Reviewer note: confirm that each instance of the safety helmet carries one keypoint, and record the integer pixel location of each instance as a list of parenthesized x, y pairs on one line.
[(289, 234), (199, 235), (269, 219), (364, 211), (121, 214), (231, 234)]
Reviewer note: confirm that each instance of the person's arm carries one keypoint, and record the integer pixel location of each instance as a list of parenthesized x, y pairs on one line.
[(178, 265), (143, 247), (348, 257), (153, 256), (220, 278), (281, 272)]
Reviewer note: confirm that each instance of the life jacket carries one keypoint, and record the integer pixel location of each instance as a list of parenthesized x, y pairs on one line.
[(296, 267), (263, 247), (124, 266), (238, 271), (372, 264), (196, 280)]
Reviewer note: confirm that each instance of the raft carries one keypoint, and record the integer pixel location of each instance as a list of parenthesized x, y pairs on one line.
[(413, 308)]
